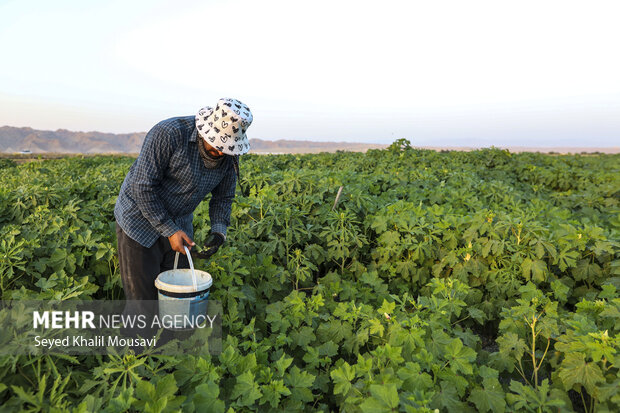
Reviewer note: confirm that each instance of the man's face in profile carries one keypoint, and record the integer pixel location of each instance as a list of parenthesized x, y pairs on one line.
[(212, 151)]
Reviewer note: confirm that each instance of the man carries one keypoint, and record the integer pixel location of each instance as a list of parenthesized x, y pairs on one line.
[(181, 161)]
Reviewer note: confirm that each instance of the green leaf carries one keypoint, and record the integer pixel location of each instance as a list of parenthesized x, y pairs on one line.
[(229, 358), (300, 383), (23, 396), (389, 238), (608, 292), (539, 249), (379, 223), (477, 314), (527, 398), (273, 391), (537, 269), (460, 357), (574, 370), (298, 378), (447, 398), (566, 259), (282, 364), (160, 398), (100, 252), (166, 387), (122, 402), (486, 248), (488, 372), (342, 377), (511, 345), (246, 391), (311, 358), (609, 391), (386, 307), (560, 290), (245, 363), (328, 349), (384, 399), (490, 397), (334, 330), (145, 390), (376, 327), (303, 336), (206, 398), (586, 270), (413, 379)]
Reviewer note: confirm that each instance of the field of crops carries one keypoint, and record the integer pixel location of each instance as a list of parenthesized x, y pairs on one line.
[(478, 281)]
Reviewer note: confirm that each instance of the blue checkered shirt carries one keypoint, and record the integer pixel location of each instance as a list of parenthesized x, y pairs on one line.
[(167, 182)]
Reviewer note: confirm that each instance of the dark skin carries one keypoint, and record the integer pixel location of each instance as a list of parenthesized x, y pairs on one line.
[(180, 238)]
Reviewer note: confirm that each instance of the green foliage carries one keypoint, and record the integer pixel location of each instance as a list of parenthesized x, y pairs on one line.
[(480, 281), (7, 163)]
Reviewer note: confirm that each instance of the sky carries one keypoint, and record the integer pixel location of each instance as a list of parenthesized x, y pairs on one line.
[(439, 73)]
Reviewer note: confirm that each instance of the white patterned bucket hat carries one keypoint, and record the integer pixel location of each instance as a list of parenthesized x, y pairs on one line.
[(224, 127)]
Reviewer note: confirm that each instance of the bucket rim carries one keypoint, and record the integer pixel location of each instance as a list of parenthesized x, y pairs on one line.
[(175, 288)]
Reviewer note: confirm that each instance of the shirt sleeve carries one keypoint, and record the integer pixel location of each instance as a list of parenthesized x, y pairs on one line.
[(221, 202), (149, 170)]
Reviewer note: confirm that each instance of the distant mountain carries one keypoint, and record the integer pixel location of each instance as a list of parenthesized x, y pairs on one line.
[(64, 141), (14, 140)]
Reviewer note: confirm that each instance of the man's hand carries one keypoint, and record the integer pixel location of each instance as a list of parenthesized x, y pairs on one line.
[(213, 243), (178, 240)]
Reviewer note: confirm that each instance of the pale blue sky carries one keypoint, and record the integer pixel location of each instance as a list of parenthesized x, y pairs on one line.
[(472, 73)]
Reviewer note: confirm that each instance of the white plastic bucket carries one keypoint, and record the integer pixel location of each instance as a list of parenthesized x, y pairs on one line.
[(183, 296)]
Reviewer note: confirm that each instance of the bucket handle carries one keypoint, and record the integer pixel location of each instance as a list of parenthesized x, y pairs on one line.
[(191, 265)]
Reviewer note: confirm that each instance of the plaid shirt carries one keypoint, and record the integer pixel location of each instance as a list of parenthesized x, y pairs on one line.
[(167, 182)]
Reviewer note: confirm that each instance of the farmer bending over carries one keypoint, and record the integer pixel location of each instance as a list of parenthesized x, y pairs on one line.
[(181, 161)]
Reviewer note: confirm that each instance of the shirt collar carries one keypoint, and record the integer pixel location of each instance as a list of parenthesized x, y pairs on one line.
[(194, 136)]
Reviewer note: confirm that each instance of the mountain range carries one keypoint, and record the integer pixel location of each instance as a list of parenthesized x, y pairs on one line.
[(28, 140), (62, 141)]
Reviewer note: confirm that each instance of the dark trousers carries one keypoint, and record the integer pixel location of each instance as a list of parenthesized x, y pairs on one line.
[(140, 265)]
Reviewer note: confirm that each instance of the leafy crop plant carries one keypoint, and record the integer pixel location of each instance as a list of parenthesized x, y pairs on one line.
[(481, 281)]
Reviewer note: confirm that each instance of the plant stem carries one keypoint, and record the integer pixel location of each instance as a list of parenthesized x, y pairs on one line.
[(545, 353), (522, 373), (462, 319), (585, 407), (535, 374)]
